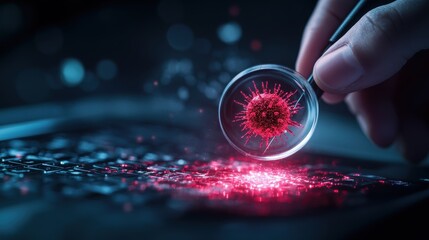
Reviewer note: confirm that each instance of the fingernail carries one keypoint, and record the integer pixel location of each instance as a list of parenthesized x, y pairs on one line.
[(339, 69), (363, 125)]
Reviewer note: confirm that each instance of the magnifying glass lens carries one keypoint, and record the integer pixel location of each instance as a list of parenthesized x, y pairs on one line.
[(268, 112)]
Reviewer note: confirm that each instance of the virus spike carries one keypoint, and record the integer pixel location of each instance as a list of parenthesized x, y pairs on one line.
[(247, 98), (240, 103), (277, 89), (267, 113), (265, 87), (256, 88)]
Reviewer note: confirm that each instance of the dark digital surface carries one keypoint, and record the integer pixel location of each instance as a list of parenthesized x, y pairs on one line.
[(176, 178), (172, 176)]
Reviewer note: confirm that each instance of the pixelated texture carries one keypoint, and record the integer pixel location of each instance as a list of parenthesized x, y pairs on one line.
[(136, 168)]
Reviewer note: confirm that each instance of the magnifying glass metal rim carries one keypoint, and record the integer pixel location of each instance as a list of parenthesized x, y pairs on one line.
[(306, 89)]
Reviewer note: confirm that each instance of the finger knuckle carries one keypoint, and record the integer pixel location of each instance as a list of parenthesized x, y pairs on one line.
[(386, 22)]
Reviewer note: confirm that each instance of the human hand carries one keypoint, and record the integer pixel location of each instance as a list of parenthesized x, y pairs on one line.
[(379, 67)]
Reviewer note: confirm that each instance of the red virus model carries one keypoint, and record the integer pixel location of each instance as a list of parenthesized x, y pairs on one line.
[(267, 113)]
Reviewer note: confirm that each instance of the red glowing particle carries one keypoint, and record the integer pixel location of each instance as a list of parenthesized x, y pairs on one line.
[(255, 45), (234, 10), (267, 113), (139, 139)]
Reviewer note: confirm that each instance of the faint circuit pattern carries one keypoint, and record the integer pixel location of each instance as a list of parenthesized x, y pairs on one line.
[(132, 170), (252, 188)]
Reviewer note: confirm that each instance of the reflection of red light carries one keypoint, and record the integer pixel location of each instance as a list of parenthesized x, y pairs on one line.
[(250, 187)]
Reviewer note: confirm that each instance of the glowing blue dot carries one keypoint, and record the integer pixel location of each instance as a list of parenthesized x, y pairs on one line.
[(106, 69), (180, 37), (183, 93), (229, 33), (72, 72)]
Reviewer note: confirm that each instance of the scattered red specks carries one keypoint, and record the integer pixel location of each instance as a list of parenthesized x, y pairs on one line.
[(255, 45), (234, 10), (243, 187), (267, 113), (272, 185)]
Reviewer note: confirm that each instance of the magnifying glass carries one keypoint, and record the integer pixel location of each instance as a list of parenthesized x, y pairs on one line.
[(269, 112)]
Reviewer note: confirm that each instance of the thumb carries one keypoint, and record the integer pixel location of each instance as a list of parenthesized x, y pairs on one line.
[(375, 48)]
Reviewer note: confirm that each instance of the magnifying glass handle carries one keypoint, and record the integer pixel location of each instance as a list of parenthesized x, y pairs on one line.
[(357, 11)]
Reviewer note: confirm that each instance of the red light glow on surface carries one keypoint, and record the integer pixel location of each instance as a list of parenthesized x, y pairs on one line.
[(251, 187), (267, 113)]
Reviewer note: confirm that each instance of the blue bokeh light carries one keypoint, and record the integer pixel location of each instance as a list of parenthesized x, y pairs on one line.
[(106, 69), (229, 32), (180, 37), (72, 72)]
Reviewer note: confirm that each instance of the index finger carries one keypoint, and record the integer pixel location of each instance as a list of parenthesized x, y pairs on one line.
[(326, 17)]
